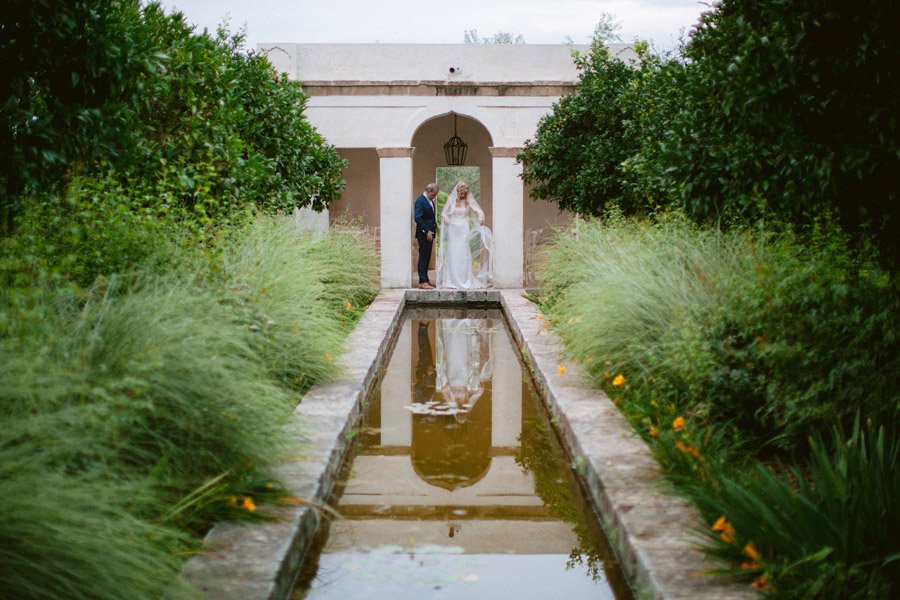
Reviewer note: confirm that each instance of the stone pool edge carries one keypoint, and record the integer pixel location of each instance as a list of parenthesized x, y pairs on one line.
[(650, 527)]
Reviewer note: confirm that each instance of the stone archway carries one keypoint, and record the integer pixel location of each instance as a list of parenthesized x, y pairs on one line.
[(428, 141)]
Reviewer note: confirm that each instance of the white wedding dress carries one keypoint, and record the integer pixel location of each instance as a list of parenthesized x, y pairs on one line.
[(465, 258)]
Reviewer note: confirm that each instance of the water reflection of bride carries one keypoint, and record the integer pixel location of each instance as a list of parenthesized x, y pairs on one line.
[(463, 361), (462, 364)]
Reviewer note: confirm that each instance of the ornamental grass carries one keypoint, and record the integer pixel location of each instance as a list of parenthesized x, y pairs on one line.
[(140, 411)]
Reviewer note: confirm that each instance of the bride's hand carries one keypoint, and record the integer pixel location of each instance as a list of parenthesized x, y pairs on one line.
[(446, 220)]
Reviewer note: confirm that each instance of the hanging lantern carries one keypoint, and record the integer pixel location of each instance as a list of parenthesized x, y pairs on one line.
[(455, 149)]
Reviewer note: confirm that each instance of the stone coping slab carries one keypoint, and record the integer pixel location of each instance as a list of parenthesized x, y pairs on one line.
[(649, 525), (651, 528)]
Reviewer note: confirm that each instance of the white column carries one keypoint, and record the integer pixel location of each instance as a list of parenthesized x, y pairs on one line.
[(396, 216), (506, 390), (396, 392), (508, 219)]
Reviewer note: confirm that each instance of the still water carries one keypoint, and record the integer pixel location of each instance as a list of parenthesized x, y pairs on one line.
[(458, 488)]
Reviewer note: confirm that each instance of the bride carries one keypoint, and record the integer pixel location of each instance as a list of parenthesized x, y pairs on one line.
[(465, 257)]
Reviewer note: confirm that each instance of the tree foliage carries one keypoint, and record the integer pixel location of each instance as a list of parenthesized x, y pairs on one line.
[(592, 152), (114, 89), (778, 109), (470, 36)]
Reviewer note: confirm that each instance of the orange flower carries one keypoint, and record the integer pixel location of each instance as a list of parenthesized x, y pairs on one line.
[(654, 432), (724, 527), (750, 551), (760, 583), (686, 449), (750, 566), (619, 380), (248, 504), (561, 369), (678, 424)]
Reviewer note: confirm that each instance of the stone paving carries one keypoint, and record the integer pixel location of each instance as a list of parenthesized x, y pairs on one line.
[(652, 529)]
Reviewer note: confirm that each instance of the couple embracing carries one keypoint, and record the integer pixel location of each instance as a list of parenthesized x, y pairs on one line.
[(465, 253)]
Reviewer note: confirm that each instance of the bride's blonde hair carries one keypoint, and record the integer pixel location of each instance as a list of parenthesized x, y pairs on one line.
[(462, 184)]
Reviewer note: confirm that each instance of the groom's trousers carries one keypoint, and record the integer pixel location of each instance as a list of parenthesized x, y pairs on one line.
[(424, 255)]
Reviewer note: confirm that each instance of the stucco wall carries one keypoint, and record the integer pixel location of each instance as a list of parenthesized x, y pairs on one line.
[(359, 202)]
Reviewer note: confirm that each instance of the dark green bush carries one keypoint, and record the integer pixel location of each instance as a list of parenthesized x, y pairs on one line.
[(788, 110), (809, 337)]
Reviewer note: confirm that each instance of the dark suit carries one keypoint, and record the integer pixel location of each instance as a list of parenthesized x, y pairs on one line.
[(425, 222)]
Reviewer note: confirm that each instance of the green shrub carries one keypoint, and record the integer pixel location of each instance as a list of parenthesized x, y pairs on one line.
[(346, 263), (808, 337), (94, 228), (632, 297), (771, 336)]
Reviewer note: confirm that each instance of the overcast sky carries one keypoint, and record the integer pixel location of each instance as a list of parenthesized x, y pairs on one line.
[(445, 21)]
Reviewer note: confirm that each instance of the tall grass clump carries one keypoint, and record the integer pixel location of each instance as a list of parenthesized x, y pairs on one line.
[(631, 297), (346, 261), (68, 537), (728, 351), (299, 292)]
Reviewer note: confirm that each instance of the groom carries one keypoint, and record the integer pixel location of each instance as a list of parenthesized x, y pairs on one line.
[(426, 228)]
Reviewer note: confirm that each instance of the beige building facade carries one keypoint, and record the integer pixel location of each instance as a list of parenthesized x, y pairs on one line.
[(389, 109)]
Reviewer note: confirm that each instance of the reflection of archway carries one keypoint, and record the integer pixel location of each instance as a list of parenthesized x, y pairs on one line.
[(450, 454), (429, 140)]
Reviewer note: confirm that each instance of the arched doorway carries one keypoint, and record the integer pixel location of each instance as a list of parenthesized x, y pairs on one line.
[(429, 140)]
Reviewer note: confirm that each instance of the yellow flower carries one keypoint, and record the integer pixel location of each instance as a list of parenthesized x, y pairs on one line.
[(328, 357), (232, 500), (248, 504), (750, 551), (561, 369), (678, 424), (347, 305), (540, 316), (570, 321), (619, 380)]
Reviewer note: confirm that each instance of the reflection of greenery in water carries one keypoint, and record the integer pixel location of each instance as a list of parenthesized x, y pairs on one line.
[(540, 454)]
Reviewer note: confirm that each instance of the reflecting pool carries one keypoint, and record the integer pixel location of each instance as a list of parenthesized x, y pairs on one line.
[(458, 487)]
